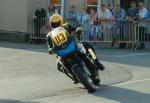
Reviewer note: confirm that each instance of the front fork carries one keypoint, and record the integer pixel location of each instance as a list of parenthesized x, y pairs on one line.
[(82, 50), (67, 70)]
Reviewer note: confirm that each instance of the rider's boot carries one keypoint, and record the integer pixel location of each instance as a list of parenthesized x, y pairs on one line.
[(99, 64), (59, 66), (95, 77), (94, 72)]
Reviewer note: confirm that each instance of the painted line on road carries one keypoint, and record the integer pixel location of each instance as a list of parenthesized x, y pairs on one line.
[(85, 91), (126, 55), (125, 83), (129, 55)]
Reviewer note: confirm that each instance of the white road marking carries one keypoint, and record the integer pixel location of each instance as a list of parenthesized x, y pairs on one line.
[(125, 83), (127, 55)]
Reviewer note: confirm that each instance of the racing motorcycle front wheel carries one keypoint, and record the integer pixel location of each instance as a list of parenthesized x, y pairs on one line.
[(84, 78)]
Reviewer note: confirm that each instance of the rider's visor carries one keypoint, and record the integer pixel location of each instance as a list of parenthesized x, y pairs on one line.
[(55, 24)]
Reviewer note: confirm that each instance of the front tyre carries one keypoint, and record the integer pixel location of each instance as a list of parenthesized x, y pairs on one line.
[(84, 78)]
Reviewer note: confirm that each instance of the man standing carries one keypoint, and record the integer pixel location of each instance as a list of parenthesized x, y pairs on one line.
[(147, 18), (84, 21), (132, 11), (72, 15), (142, 15), (104, 15), (39, 21), (119, 15), (104, 12)]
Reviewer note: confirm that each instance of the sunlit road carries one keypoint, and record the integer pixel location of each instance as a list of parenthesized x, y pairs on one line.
[(29, 75)]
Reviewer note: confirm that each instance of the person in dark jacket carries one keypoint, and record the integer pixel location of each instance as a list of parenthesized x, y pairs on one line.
[(39, 20), (133, 11)]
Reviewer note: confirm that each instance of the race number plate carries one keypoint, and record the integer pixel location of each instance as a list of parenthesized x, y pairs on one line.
[(60, 38)]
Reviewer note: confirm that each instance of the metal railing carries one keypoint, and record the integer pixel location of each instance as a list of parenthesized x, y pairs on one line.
[(129, 33), (103, 31), (39, 28)]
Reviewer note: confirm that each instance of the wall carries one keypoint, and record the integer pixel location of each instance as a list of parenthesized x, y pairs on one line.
[(31, 7), (16, 15), (13, 15)]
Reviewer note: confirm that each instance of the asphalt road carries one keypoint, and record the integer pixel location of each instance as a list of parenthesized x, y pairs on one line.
[(29, 75)]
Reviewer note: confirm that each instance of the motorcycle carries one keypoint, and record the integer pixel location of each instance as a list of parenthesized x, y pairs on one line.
[(70, 51)]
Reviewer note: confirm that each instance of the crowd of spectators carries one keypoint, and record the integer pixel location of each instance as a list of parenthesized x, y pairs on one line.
[(108, 23)]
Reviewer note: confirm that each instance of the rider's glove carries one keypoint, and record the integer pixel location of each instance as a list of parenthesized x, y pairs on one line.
[(50, 50)]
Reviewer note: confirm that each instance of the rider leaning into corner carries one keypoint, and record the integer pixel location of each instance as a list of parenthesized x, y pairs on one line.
[(57, 21)]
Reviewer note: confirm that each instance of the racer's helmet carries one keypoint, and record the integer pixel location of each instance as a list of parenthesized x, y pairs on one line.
[(55, 21)]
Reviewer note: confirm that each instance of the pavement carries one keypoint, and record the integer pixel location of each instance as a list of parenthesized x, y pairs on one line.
[(29, 75)]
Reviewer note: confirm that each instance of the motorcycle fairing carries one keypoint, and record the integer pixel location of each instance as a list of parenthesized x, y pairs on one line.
[(63, 43), (59, 36), (68, 50)]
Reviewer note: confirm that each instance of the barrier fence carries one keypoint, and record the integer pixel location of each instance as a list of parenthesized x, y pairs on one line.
[(108, 32), (39, 28)]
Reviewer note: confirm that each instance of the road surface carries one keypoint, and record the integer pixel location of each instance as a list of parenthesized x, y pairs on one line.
[(29, 75)]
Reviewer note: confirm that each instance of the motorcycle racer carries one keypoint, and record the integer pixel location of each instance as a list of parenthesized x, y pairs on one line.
[(57, 21)]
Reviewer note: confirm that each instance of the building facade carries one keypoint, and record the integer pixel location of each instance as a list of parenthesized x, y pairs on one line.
[(16, 15)]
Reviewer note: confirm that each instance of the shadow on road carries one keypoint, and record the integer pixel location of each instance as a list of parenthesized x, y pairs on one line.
[(14, 101), (122, 95), (27, 47), (139, 58)]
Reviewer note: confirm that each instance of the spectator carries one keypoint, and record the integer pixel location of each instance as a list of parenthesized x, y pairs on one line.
[(147, 15), (84, 21), (51, 10), (94, 25), (39, 20), (142, 14), (119, 15), (110, 7), (148, 27), (72, 15), (104, 12), (104, 15), (133, 11), (142, 10), (132, 14)]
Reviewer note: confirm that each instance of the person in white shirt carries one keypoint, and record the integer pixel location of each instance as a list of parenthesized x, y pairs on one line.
[(104, 16), (84, 21), (142, 14), (142, 10), (104, 12), (94, 25)]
